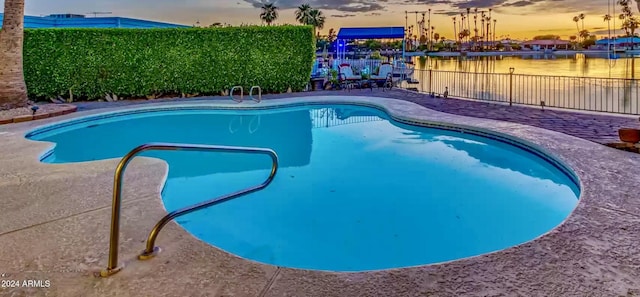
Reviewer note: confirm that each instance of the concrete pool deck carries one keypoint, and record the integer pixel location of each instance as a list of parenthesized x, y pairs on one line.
[(55, 226)]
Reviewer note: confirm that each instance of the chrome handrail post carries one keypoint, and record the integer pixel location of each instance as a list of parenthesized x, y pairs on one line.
[(116, 204), (150, 251)]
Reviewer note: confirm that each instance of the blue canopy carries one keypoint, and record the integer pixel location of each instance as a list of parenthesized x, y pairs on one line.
[(371, 33)]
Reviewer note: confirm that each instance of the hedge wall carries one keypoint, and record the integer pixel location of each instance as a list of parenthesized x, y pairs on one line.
[(141, 62)]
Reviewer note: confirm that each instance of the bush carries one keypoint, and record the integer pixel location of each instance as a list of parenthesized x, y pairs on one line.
[(140, 62), (376, 55)]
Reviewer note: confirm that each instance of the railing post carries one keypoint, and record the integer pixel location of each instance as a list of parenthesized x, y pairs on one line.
[(511, 70), (430, 80)]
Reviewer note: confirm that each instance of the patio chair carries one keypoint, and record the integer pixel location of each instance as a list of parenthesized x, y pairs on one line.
[(383, 72), (348, 73)]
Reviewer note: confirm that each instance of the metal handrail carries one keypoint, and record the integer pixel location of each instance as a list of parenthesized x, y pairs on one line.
[(241, 93), (151, 250), (259, 94)]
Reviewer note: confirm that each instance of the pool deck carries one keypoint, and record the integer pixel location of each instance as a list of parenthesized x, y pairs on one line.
[(55, 220)]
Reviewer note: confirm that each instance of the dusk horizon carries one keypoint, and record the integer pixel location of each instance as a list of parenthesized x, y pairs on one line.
[(516, 19)]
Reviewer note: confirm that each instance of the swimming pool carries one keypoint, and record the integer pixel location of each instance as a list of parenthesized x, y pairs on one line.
[(355, 190)]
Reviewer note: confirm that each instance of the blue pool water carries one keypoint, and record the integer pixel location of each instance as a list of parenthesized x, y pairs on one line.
[(355, 191)]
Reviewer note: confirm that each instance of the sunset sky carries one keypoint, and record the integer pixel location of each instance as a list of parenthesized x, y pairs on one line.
[(516, 18)]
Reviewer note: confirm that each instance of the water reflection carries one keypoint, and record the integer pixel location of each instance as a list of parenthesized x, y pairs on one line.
[(564, 82), (288, 133), (329, 117), (496, 155), (590, 65)]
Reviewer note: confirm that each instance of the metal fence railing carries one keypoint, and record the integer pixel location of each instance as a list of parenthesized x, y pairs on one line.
[(615, 95)]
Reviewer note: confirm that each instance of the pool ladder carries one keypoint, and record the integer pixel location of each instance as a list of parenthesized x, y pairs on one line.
[(241, 97), (151, 250)]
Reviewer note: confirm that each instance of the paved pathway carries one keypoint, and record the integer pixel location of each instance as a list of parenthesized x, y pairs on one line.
[(594, 127)]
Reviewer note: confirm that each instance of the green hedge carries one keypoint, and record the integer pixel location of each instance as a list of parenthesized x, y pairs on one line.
[(140, 62)]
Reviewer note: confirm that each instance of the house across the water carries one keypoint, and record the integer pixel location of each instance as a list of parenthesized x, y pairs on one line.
[(546, 44), (621, 43)]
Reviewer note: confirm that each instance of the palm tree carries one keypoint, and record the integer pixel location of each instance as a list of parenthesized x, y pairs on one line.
[(13, 90), (584, 34), (316, 19), (331, 36), (488, 31), (302, 14), (464, 34), (574, 42), (576, 19), (269, 13), (462, 23), (493, 33), (468, 22), (607, 18), (482, 21), (630, 25), (423, 39), (622, 17), (629, 22), (455, 31), (581, 16), (475, 23)]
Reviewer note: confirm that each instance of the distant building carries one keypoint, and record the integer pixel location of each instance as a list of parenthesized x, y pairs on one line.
[(81, 21), (619, 42), (546, 44), (510, 41)]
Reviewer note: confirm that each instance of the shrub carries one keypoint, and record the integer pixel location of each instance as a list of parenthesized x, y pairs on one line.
[(140, 62)]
